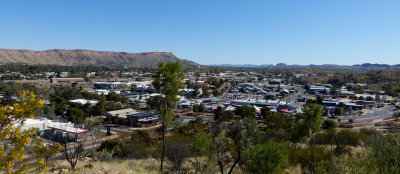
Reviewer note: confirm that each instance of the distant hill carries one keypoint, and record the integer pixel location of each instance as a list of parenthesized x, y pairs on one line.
[(365, 65), (87, 57), (242, 65), (370, 65)]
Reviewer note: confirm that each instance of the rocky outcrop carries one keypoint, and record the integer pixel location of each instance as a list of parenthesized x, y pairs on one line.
[(87, 57)]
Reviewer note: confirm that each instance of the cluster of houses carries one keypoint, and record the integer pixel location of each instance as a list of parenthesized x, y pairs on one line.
[(135, 118), (247, 89)]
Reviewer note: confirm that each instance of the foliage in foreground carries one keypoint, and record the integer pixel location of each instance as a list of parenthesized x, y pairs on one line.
[(16, 143)]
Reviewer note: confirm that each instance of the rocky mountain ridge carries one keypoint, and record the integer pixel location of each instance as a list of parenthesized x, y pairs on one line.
[(81, 57)]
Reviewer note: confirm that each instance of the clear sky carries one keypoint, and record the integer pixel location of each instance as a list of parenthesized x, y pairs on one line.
[(212, 31)]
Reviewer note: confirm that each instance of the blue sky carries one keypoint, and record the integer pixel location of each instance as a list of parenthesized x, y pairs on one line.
[(212, 31)]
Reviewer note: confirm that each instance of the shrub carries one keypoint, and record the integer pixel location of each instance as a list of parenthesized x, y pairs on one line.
[(328, 124), (309, 157), (346, 138), (271, 157), (112, 146), (385, 153), (366, 134), (321, 139), (177, 151)]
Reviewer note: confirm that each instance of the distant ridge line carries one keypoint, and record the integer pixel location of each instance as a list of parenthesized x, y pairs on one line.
[(78, 57), (364, 65)]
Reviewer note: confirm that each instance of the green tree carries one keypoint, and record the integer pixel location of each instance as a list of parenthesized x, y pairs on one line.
[(235, 137), (313, 117), (76, 115), (313, 122), (328, 124), (167, 81), (154, 102), (338, 111), (195, 108), (99, 108), (265, 111), (220, 144), (319, 99), (113, 96), (220, 114), (65, 93), (299, 132), (205, 93), (279, 121), (194, 127), (245, 111), (336, 82), (202, 108), (268, 158), (199, 108), (216, 92), (87, 79), (201, 148)]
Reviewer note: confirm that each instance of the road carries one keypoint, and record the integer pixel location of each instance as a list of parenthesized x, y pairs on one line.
[(292, 98), (378, 114)]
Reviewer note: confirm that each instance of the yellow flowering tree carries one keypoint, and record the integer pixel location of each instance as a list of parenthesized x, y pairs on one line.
[(15, 142)]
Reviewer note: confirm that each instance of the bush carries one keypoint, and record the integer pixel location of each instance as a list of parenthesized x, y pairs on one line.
[(142, 136), (346, 126), (346, 138), (366, 134), (321, 139), (76, 115), (385, 153), (112, 146), (103, 155), (309, 157), (138, 145), (177, 151), (271, 157), (328, 124), (199, 108)]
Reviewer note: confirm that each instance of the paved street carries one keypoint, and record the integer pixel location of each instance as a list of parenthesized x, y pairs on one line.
[(293, 97), (377, 114)]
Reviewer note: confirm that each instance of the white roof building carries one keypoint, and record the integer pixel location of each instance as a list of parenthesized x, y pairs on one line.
[(120, 113), (44, 124), (84, 101)]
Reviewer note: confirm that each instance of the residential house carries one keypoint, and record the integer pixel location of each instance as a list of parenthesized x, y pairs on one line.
[(120, 113)]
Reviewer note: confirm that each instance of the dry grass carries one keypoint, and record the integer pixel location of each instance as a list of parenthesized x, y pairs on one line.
[(149, 166), (118, 166)]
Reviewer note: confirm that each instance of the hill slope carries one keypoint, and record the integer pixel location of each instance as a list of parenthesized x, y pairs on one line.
[(87, 57)]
